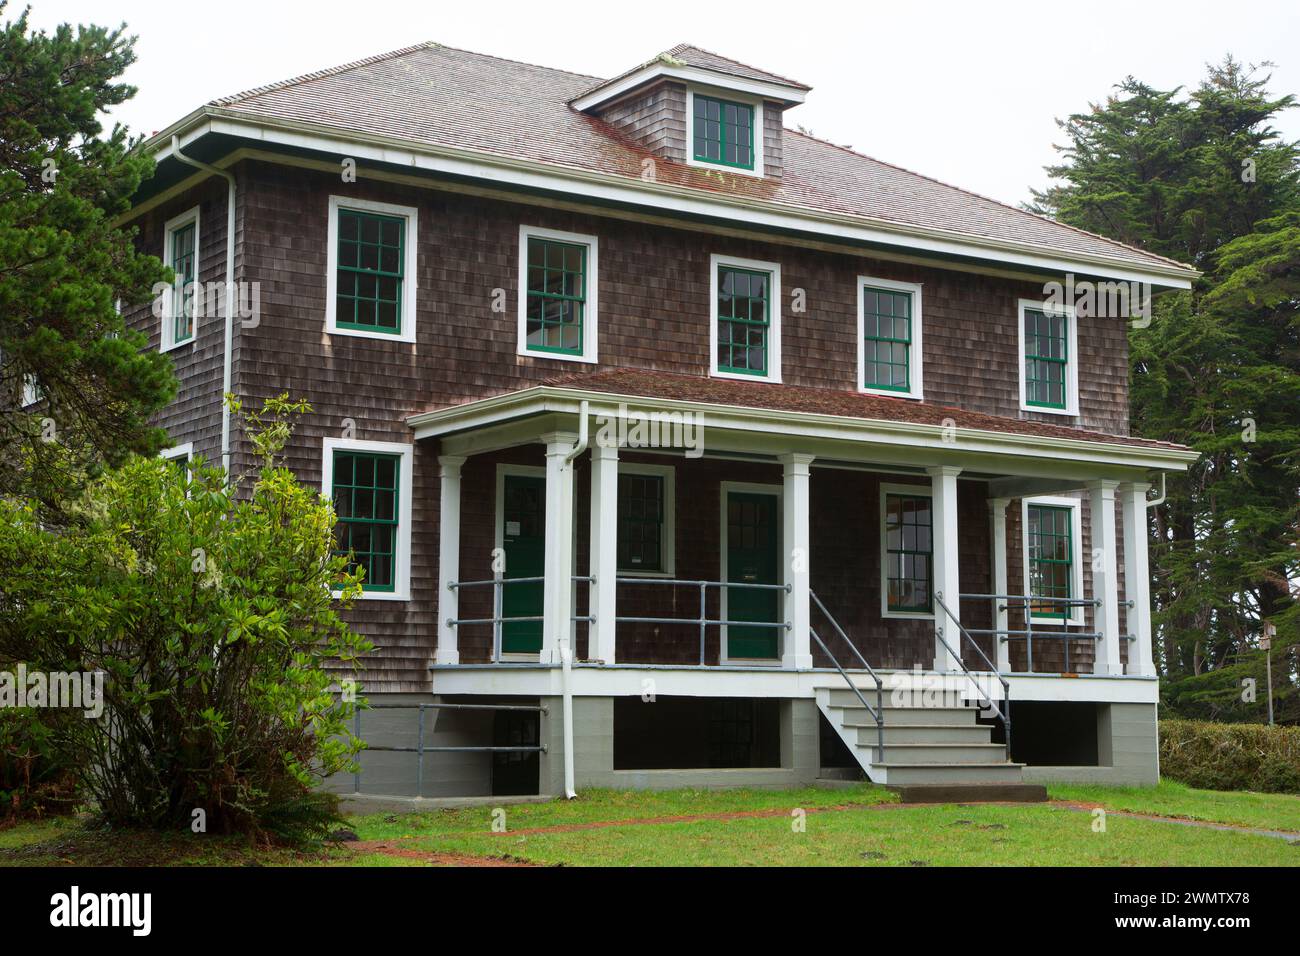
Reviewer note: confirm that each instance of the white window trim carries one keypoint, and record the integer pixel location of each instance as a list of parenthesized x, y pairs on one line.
[(736, 96), (668, 541), (167, 334), (774, 317), (409, 267), (499, 541), (591, 311), (1076, 557), (402, 569), (918, 491), (185, 450), (776, 491), (914, 355), (1071, 366)]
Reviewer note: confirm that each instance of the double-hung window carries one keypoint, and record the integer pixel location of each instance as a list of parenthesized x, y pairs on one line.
[(1051, 558), (907, 559), (184, 299), (645, 519), (722, 132), (557, 300), (370, 486), (1048, 345), (372, 261), (889, 337), (745, 328)]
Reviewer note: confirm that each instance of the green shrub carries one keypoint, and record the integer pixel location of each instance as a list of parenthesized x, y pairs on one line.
[(1231, 756), (208, 607), (34, 781)]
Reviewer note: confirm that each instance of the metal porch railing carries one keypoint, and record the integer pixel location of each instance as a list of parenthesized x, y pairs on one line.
[(1003, 713), (420, 749), (702, 620), (497, 620), (878, 712), (1028, 634)]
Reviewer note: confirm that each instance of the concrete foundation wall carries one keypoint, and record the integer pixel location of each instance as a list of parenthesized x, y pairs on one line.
[(1127, 751), (593, 728)]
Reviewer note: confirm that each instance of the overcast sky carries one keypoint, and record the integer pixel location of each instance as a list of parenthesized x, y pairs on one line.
[(964, 92)]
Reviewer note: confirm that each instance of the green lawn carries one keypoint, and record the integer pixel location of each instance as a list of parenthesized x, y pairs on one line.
[(858, 826), (1265, 811)]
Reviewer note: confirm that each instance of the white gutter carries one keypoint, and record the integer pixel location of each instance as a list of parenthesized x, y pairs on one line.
[(663, 197), (228, 347), (566, 644)]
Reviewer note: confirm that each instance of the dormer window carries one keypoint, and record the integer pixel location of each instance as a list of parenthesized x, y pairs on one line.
[(723, 132)]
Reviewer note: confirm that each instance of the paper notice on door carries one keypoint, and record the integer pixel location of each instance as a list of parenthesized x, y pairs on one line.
[(512, 528)]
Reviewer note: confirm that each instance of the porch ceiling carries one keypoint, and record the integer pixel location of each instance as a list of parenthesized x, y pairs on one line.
[(765, 418)]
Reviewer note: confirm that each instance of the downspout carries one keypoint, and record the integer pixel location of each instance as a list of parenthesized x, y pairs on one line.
[(228, 347), (566, 646), (1157, 502)]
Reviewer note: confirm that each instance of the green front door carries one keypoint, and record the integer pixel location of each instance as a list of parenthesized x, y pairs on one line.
[(752, 558), (523, 536)]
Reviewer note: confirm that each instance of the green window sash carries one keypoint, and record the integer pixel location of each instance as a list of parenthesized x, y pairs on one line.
[(887, 330), (184, 258), (640, 522), (744, 320), (1051, 558), (724, 132), (365, 494), (1046, 358), (556, 285), (909, 553), (371, 260)]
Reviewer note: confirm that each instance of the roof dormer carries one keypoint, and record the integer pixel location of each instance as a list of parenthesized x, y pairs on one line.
[(701, 109)]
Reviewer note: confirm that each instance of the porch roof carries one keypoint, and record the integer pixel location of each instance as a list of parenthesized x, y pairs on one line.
[(789, 406)]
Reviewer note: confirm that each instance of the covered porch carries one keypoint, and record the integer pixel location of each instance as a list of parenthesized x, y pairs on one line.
[(627, 521)]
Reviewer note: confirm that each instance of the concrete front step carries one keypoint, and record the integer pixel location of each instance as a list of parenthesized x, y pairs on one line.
[(924, 734), (857, 715), (970, 793), (899, 774), (929, 754)]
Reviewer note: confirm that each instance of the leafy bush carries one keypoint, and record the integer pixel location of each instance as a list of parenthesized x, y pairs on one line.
[(1231, 756), (209, 608), (34, 781)]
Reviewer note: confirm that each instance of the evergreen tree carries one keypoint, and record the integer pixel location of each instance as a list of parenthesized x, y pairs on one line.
[(64, 265), (1206, 179)]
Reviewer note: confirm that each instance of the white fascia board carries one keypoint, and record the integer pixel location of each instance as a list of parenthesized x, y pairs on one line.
[(547, 398), (657, 196), (688, 74)]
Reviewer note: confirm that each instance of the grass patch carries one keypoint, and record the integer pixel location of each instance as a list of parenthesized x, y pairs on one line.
[(1265, 811), (857, 826), (1029, 835)]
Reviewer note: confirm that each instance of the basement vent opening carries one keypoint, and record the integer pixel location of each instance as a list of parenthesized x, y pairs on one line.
[(696, 733)]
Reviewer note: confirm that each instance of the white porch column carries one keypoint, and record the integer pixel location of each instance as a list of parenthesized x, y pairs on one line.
[(604, 551), (998, 537), (1105, 577), (794, 517), (943, 504), (1137, 577), (448, 557), (557, 589)]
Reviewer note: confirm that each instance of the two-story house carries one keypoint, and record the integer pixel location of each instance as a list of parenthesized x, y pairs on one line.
[(678, 447)]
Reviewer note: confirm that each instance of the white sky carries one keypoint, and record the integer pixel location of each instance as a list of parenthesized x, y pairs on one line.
[(964, 92)]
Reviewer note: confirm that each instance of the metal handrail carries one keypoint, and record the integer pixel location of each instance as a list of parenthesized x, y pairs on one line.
[(1026, 601), (420, 749), (878, 712), (498, 619), (703, 621), (1006, 685)]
